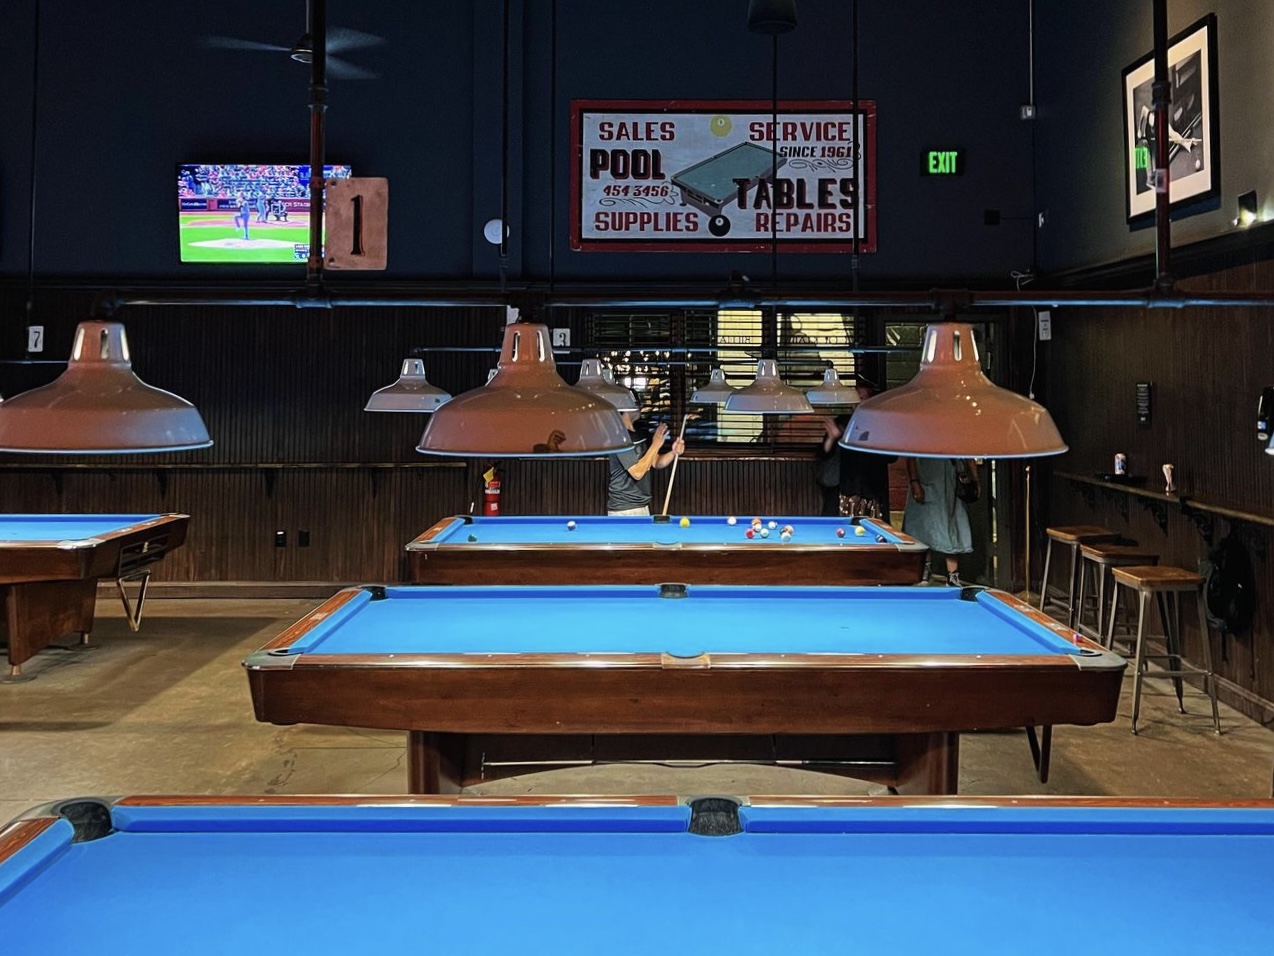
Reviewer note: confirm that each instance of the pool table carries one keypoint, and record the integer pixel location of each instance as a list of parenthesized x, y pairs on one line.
[(875, 683), (541, 549), (203, 875), (50, 565)]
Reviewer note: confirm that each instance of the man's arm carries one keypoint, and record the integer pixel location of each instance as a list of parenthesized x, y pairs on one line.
[(668, 457), (647, 461)]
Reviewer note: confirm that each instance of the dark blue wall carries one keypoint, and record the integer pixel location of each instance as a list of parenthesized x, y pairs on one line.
[(1082, 48), (126, 92)]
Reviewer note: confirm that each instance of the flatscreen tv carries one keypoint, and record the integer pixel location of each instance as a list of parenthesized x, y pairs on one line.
[(231, 212)]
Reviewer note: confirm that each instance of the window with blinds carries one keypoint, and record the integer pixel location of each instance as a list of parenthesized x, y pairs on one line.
[(664, 357)]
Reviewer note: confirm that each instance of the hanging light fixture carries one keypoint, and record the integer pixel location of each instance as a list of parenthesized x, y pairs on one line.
[(716, 391), (592, 378), (833, 391), (525, 410), (98, 406), (768, 395), (411, 393), (952, 410)]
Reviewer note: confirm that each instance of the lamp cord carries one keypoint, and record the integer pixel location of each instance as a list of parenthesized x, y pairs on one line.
[(35, 128)]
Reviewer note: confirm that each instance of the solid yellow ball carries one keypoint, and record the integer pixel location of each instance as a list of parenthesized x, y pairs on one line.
[(685, 522)]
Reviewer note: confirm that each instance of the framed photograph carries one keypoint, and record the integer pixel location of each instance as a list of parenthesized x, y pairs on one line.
[(1193, 171)]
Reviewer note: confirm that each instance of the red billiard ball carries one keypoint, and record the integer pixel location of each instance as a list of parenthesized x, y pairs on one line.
[(840, 532), (750, 533)]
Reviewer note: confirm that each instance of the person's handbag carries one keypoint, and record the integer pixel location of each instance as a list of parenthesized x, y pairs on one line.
[(967, 490)]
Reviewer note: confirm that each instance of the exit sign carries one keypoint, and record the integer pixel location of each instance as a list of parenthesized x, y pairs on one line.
[(942, 162)]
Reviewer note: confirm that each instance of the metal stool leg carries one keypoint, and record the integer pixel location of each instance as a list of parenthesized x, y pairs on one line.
[(1109, 643), (1169, 613), (1207, 659), (1101, 571), (1070, 589), (1143, 606)]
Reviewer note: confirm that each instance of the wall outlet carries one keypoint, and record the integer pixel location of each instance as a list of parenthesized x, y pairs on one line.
[(280, 539), (1046, 325)]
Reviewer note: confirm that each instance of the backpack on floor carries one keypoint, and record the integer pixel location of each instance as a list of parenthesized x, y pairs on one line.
[(1229, 591)]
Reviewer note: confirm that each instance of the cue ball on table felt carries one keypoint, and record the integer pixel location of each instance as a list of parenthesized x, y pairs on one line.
[(685, 522), (731, 520), (773, 525), (765, 532), (570, 526), (786, 536)]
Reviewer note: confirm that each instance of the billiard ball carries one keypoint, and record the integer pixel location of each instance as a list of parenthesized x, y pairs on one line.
[(765, 532), (685, 522), (750, 533), (719, 226), (731, 520), (570, 526), (773, 525), (785, 536), (840, 532), (789, 529), (860, 531), (757, 522), (473, 537)]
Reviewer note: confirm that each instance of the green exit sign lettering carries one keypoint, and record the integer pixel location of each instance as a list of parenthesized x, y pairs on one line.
[(942, 162)]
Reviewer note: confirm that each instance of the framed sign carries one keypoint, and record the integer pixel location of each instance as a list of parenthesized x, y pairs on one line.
[(1193, 128), (696, 176)]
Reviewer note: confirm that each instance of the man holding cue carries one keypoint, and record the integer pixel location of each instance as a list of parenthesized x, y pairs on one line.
[(628, 492)]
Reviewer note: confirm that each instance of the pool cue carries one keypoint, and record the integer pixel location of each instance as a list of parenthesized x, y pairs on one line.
[(673, 476)]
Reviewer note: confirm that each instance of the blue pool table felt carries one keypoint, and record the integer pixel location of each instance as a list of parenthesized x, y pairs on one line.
[(60, 527), (713, 619), (632, 880)]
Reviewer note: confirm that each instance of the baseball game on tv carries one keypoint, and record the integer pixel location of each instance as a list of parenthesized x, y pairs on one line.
[(246, 213)]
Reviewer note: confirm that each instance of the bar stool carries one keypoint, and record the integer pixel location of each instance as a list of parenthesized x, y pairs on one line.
[(1096, 560), (1166, 584), (1071, 536)]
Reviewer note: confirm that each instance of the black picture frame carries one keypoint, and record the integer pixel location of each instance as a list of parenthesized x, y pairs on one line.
[(1194, 150)]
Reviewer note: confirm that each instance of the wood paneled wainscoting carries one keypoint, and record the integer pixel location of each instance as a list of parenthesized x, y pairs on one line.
[(337, 524)]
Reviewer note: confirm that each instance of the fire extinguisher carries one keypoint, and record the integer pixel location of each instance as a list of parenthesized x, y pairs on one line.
[(490, 493)]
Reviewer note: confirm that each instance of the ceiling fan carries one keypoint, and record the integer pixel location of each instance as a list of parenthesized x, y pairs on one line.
[(339, 40)]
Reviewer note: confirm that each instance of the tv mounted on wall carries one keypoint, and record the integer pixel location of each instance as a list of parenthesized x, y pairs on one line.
[(230, 212)]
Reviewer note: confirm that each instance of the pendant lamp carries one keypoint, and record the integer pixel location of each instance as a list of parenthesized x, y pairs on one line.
[(716, 391), (768, 395), (525, 410), (592, 378), (98, 406), (411, 393), (833, 391), (952, 410)]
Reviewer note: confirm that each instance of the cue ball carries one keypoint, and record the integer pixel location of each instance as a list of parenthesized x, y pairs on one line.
[(765, 532), (750, 533), (860, 531), (685, 522), (570, 526), (786, 536), (840, 532), (731, 520), (773, 525)]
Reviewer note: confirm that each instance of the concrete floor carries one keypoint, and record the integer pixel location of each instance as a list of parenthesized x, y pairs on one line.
[(167, 711)]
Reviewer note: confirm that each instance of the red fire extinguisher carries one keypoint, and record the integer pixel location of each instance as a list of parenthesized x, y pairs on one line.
[(490, 493)]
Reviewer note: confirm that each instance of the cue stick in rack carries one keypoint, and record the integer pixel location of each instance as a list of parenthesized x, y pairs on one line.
[(673, 476)]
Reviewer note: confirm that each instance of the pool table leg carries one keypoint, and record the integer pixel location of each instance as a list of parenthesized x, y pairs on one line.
[(435, 762), (928, 763), (37, 613)]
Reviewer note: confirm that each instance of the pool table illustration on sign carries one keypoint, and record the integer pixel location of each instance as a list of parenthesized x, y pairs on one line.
[(653, 550), (50, 565), (876, 683), (758, 875)]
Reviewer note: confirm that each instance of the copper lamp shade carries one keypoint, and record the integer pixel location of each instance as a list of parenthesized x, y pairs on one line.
[(716, 391), (592, 378), (525, 410), (768, 395), (411, 393), (98, 406), (833, 391), (952, 410)]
